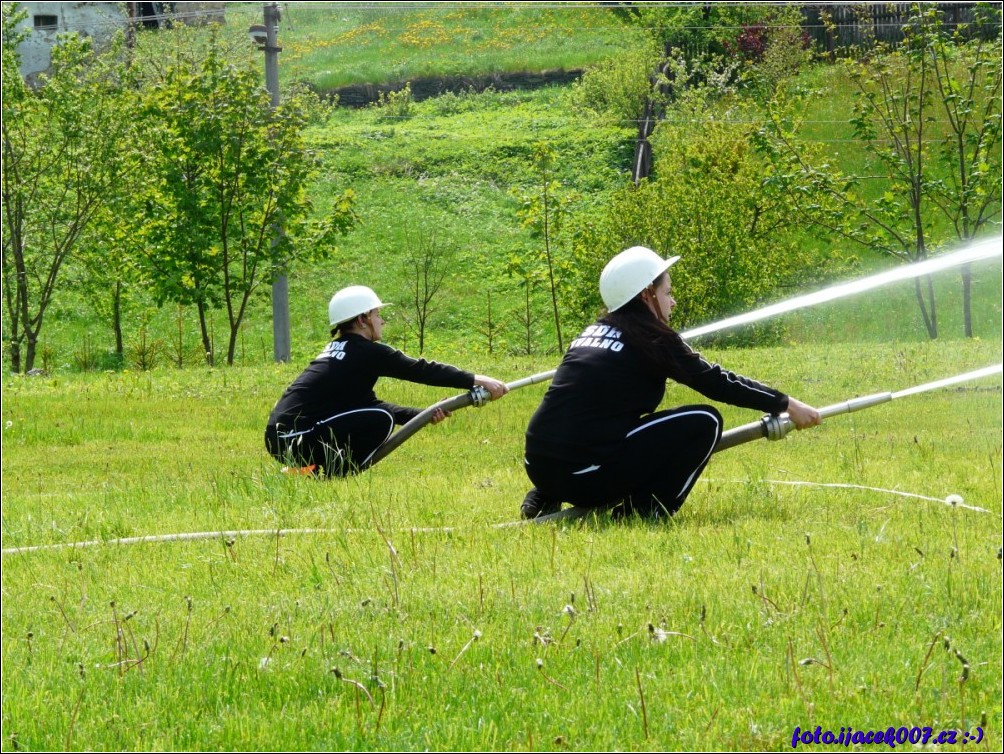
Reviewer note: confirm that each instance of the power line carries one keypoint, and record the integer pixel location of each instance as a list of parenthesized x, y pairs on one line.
[(578, 122), (494, 141), (392, 9)]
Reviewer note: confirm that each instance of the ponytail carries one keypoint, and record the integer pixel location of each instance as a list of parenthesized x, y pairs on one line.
[(343, 328)]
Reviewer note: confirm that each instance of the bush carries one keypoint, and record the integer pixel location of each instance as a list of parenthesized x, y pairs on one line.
[(620, 86), (709, 202), (395, 105)]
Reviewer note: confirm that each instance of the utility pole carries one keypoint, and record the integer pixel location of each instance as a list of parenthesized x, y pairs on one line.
[(280, 288)]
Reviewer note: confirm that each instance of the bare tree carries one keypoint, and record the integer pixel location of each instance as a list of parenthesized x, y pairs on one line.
[(491, 327), (428, 263), (525, 316)]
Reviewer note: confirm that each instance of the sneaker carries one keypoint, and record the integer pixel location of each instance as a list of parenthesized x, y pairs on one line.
[(535, 504)]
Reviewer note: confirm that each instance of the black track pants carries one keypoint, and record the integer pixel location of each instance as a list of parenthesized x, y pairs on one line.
[(654, 468), (342, 444)]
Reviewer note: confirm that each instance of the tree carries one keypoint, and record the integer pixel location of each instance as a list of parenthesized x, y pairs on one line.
[(711, 201), (229, 169), (525, 315), (968, 78), (490, 327), (904, 97), (428, 263), (544, 212), (65, 146), (106, 268)]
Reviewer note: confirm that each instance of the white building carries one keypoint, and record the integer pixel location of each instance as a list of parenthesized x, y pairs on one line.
[(99, 21)]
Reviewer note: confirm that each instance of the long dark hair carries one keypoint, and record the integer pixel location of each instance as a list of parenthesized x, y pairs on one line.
[(646, 333)]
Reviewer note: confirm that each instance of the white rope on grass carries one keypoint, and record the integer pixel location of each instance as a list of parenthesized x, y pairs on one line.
[(953, 500), (185, 536), (227, 535)]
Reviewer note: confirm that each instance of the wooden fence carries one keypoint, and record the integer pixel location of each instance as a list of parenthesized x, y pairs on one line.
[(849, 26)]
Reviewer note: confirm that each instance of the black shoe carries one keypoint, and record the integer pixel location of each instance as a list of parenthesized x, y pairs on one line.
[(535, 504)]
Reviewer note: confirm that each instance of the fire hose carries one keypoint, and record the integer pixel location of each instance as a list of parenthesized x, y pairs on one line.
[(477, 397), (768, 427)]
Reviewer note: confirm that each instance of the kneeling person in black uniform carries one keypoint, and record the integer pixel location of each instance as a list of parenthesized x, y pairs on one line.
[(596, 440), (329, 421)]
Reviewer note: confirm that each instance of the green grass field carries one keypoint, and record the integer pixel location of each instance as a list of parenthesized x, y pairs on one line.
[(818, 581), (411, 621), (329, 46)]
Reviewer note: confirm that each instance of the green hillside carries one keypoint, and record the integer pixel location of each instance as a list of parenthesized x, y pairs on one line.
[(168, 587)]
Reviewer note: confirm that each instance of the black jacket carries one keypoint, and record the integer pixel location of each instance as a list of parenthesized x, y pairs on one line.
[(605, 384), (342, 377)]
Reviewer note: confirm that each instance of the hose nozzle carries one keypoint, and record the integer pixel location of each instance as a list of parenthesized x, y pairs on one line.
[(479, 396), (776, 427)]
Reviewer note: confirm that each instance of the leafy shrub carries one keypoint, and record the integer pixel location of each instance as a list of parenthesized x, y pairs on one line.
[(771, 46), (620, 86), (397, 104), (454, 103), (751, 43), (709, 202)]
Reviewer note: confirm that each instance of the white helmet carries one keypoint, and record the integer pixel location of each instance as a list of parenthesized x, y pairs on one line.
[(350, 302), (629, 273)]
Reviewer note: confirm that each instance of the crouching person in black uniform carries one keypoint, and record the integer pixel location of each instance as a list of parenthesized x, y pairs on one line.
[(596, 440), (329, 421)]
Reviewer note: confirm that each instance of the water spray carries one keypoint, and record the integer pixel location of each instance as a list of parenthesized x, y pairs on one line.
[(478, 396), (977, 252)]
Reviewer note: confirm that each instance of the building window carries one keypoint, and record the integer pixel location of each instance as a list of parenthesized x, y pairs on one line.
[(46, 22)]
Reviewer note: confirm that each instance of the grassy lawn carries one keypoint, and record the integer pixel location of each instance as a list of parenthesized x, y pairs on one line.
[(819, 581), (330, 46), (762, 606)]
